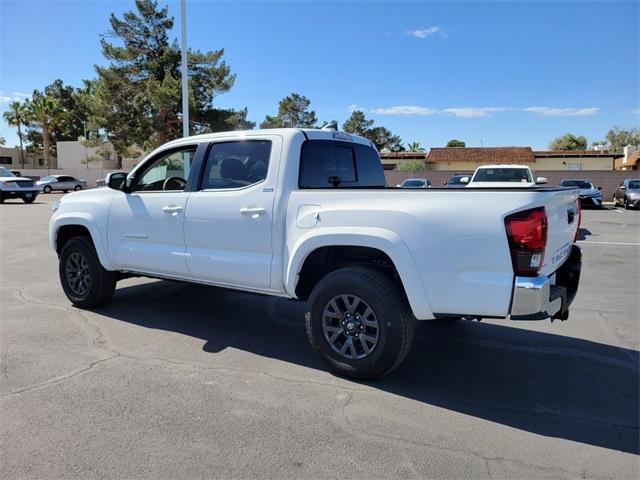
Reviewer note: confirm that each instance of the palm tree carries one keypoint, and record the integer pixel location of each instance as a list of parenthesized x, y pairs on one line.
[(46, 112), (17, 116), (414, 147)]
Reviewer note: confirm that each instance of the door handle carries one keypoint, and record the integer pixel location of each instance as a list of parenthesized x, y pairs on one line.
[(255, 212), (172, 209)]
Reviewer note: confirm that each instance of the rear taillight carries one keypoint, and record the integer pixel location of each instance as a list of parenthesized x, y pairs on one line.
[(527, 234), (577, 235)]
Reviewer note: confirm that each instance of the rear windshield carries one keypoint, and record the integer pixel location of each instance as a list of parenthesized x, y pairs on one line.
[(503, 175), (335, 164), (577, 183)]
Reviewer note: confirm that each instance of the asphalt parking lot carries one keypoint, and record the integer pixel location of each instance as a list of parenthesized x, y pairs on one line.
[(180, 381)]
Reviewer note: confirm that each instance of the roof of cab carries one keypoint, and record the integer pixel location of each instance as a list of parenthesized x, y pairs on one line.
[(310, 133)]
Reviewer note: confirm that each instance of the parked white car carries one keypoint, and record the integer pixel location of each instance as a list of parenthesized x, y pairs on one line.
[(305, 214), (504, 176), (12, 186), (60, 182)]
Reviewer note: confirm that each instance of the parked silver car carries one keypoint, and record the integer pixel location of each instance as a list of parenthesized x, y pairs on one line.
[(590, 195), (60, 182), (628, 193), (415, 183)]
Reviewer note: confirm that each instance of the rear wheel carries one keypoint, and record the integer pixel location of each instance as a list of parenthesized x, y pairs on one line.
[(76, 188), (47, 189), (359, 323), (85, 283)]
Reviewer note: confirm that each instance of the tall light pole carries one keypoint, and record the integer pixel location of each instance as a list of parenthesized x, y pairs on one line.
[(184, 71)]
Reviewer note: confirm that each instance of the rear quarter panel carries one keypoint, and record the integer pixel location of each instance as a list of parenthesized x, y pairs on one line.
[(452, 243)]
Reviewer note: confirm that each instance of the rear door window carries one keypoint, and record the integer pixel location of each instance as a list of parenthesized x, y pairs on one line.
[(334, 164)]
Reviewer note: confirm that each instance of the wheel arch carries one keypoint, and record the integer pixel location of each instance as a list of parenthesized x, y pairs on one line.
[(64, 228), (383, 246)]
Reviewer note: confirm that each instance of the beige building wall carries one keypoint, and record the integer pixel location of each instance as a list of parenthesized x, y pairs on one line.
[(572, 163), (10, 158), (463, 167), (73, 154)]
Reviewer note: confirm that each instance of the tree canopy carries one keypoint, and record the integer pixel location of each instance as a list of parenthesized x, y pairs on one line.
[(456, 143), (139, 95), (293, 112), (617, 138), (568, 141), (382, 137)]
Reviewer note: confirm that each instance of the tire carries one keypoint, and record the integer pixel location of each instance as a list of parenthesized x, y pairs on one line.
[(626, 204), (1, 198), (100, 283), (327, 312), (29, 200), (47, 189), (76, 188)]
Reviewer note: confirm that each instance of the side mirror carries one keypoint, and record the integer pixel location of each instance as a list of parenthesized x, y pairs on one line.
[(398, 185), (444, 183), (116, 180), (541, 180), (464, 180), (622, 187)]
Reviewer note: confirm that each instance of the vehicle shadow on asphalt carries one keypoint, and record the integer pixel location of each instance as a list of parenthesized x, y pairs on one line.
[(583, 233), (543, 383)]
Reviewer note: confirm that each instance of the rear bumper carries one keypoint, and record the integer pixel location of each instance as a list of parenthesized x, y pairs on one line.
[(19, 193), (540, 297)]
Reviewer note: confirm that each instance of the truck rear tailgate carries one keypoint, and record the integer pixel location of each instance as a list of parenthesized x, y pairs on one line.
[(563, 217)]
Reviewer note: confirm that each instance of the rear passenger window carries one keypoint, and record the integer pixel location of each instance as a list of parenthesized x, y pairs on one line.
[(236, 164), (332, 164)]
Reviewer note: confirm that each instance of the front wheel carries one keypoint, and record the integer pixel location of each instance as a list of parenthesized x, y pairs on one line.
[(76, 188), (84, 281), (47, 189), (359, 323)]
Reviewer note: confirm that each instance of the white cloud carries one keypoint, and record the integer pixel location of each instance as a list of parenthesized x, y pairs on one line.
[(13, 97), (353, 107), (473, 112), (563, 112), (479, 112), (635, 111), (426, 32), (405, 110)]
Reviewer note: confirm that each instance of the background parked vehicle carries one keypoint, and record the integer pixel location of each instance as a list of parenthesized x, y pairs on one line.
[(13, 186), (507, 176), (590, 195), (628, 193), (60, 182), (415, 183), (455, 181)]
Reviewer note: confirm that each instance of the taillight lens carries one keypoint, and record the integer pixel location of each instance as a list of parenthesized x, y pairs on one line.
[(527, 234), (575, 238)]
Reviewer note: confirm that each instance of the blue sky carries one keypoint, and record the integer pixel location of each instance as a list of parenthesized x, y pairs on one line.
[(492, 73)]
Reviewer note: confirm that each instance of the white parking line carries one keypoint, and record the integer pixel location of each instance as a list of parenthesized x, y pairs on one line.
[(635, 244)]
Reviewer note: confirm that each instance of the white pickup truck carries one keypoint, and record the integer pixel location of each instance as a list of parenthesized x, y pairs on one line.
[(506, 176), (306, 214)]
